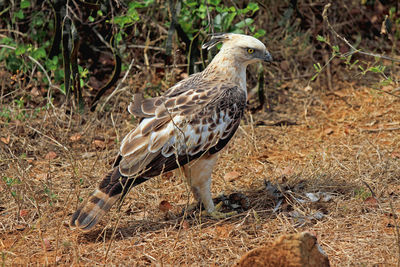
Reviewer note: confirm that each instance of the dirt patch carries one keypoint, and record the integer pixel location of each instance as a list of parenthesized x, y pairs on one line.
[(345, 144)]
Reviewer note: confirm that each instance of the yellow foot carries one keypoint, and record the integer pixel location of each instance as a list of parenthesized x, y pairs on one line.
[(217, 214)]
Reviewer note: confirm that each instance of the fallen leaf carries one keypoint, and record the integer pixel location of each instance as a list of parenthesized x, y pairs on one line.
[(23, 212), (35, 91), (75, 137), (50, 155), (185, 225), (46, 244), (340, 93), (396, 155), (308, 88), (285, 65), (168, 175), (5, 140), (165, 206), (99, 143), (328, 131), (19, 227), (42, 176), (371, 202), (230, 176)]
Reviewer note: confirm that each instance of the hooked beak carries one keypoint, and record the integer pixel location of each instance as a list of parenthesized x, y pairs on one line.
[(267, 57)]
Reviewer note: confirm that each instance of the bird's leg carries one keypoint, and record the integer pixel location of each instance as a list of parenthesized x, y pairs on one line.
[(198, 174)]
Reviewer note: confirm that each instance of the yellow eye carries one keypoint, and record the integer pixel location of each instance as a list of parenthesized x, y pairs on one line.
[(250, 50)]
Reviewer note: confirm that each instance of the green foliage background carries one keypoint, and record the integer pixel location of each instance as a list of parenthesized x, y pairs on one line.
[(35, 48)]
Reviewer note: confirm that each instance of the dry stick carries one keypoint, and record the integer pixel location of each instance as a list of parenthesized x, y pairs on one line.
[(380, 129), (328, 72), (147, 47), (117, 89), (52, 139)]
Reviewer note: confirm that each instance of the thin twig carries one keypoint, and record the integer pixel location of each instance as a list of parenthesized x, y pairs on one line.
[(380, 129), (117, 89), (52, 139), (148, 47)]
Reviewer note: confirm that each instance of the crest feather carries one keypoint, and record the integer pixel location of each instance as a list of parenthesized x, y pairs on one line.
[(216, 39)]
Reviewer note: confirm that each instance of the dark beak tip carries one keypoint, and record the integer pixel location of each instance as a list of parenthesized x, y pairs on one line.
[(268, 58)]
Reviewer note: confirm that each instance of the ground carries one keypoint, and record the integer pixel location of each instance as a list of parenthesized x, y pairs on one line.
[(342, 145)]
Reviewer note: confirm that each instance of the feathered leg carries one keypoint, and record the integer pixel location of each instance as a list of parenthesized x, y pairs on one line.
[(198, 175), (113, 188)]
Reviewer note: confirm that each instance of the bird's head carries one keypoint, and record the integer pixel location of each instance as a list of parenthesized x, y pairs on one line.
[(244, 48)]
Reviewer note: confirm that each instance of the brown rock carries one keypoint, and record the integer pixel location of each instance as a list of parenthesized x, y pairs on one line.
[(294, 250)]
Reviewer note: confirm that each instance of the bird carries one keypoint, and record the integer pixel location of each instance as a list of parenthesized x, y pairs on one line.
[(185, 128)]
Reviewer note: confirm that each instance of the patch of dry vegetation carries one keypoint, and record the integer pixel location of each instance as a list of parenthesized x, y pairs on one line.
[(345, 143)]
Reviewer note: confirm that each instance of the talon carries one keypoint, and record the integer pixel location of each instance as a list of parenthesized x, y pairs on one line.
[(218, 206), (217, 214)]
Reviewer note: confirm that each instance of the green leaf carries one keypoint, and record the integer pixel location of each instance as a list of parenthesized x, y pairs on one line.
[(19, 14), (253, 7), (25, 4), (315, 76), (191, 3), (317, 67), (321, 38), (260, 33), (91, 19), (20, 50), (52, 64), (6, 40), (377, 69), (214, 2), (232, 9), (244, 23), (39, 53)]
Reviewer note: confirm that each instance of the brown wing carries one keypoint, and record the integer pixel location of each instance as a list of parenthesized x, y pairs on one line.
[(185, 127)]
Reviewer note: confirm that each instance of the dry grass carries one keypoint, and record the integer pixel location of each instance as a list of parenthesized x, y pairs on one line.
[(342, 144)]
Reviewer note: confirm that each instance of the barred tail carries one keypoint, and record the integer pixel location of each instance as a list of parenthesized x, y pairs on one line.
[(113, 187)]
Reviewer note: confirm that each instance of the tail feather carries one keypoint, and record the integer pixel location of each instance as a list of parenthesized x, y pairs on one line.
[(100, 201), (89, 214), (112, 189)]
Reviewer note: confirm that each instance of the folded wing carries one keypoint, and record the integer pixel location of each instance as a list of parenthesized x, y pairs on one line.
[(177, 128)]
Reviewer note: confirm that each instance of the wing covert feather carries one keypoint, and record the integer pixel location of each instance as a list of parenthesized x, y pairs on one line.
[(188, 125)]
